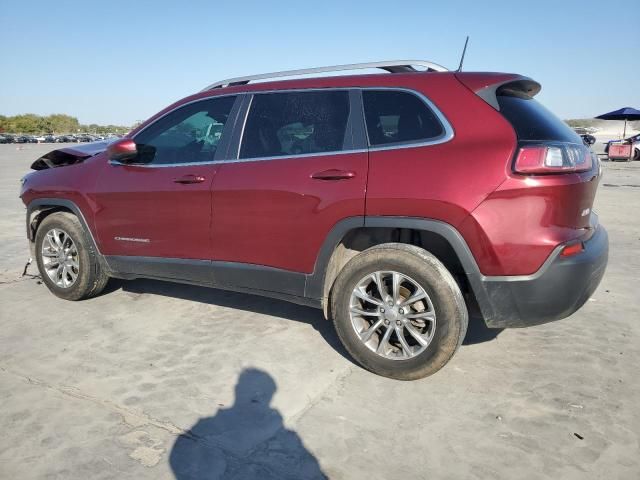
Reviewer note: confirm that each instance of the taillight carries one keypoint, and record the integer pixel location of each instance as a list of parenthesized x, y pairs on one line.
[(553, 158)]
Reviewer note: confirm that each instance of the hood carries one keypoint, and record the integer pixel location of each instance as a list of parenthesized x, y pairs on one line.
[(70, 155)]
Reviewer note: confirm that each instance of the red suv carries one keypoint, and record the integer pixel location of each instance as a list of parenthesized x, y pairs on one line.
[(393, 201)]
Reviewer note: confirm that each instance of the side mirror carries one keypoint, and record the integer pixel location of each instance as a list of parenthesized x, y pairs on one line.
[(124, 151)]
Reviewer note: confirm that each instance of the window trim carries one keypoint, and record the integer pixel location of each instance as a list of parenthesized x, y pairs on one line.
[(242, 106), (359, 117), (447, 129)]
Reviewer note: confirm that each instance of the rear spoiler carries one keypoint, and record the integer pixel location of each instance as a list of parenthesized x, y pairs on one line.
[(489, 85)]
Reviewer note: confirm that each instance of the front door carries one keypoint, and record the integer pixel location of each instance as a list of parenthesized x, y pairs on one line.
[(297, 174), (160, 206)]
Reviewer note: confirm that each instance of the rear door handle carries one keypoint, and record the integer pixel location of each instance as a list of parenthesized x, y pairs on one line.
[(333, 174), (188, 179)]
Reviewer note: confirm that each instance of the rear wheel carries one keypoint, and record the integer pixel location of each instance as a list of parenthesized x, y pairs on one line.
[(66, 259), (398, 311)]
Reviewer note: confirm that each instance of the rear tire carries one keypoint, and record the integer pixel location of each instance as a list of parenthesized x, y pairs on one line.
[(66, 259), (412, 350)]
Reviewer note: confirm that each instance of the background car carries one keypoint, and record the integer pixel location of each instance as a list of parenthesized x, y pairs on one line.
[(586, 135)]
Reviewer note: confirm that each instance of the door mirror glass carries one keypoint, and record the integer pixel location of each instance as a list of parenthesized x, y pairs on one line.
[(123, 151)]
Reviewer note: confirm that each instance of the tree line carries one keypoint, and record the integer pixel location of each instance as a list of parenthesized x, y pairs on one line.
[(57, 123)]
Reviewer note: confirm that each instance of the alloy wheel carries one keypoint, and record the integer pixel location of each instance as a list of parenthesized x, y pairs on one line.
[(60, 258), (392, 315)]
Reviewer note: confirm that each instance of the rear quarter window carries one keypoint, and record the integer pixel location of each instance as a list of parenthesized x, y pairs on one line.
[(532, 121), (396, 118)]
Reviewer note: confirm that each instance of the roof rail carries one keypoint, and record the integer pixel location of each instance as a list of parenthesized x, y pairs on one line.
[(391, 66)]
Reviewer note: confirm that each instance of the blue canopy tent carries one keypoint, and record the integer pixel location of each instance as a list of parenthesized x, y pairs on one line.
[(626, 114)]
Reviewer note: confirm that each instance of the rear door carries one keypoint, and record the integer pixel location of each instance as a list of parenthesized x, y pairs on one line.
[(411, 167), (297, 173), (161, 206)]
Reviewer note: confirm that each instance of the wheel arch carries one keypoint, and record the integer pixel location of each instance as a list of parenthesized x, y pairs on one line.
[(40, 208), (351, 236)]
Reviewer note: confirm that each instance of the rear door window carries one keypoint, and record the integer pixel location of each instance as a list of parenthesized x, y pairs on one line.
[(395, 117), (295, 123)]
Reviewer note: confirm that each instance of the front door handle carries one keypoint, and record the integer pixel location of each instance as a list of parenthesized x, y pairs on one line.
[(188, 179), (333, 174)]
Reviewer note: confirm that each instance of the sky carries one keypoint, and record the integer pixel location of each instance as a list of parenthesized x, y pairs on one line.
[(117, 62)]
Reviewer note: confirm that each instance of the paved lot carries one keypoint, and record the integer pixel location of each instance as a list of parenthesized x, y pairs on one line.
[(158, 381)]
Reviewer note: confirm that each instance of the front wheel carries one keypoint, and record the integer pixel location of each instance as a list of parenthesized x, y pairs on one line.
[(67, 262), (398, 311)]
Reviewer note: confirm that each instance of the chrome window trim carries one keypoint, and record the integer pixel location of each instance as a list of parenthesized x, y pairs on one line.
[(165, 165), (301, 155), (240, 160), (448, 134)]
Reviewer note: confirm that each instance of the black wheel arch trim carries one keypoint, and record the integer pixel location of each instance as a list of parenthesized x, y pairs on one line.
[(315, 281), (41, 204), (477, 281)]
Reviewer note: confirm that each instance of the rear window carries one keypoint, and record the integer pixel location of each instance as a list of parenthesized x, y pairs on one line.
[(532, 121)]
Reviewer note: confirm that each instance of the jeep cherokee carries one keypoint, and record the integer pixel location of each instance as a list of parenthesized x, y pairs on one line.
[(392, 201)]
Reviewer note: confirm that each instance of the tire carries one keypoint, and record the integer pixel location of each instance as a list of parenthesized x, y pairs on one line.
[(411, 264), (636, 154), (90, 279)]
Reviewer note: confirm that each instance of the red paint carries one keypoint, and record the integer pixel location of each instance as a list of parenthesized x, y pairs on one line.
[(518, 225), (122, 149), (156, 204), (276, 213)]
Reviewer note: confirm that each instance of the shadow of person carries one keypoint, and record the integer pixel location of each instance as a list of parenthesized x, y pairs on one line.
[(246, 441)]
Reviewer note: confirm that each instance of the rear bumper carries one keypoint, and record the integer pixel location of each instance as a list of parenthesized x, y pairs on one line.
[(560, 288)]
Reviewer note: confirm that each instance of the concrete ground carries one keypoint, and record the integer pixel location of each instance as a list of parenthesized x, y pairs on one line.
[(154, 380)]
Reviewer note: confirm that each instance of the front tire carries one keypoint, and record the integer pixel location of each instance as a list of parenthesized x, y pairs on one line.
[(398, 311), (66, 259)]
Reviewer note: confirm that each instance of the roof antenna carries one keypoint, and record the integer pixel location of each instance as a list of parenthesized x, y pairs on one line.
[(464, 50)]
